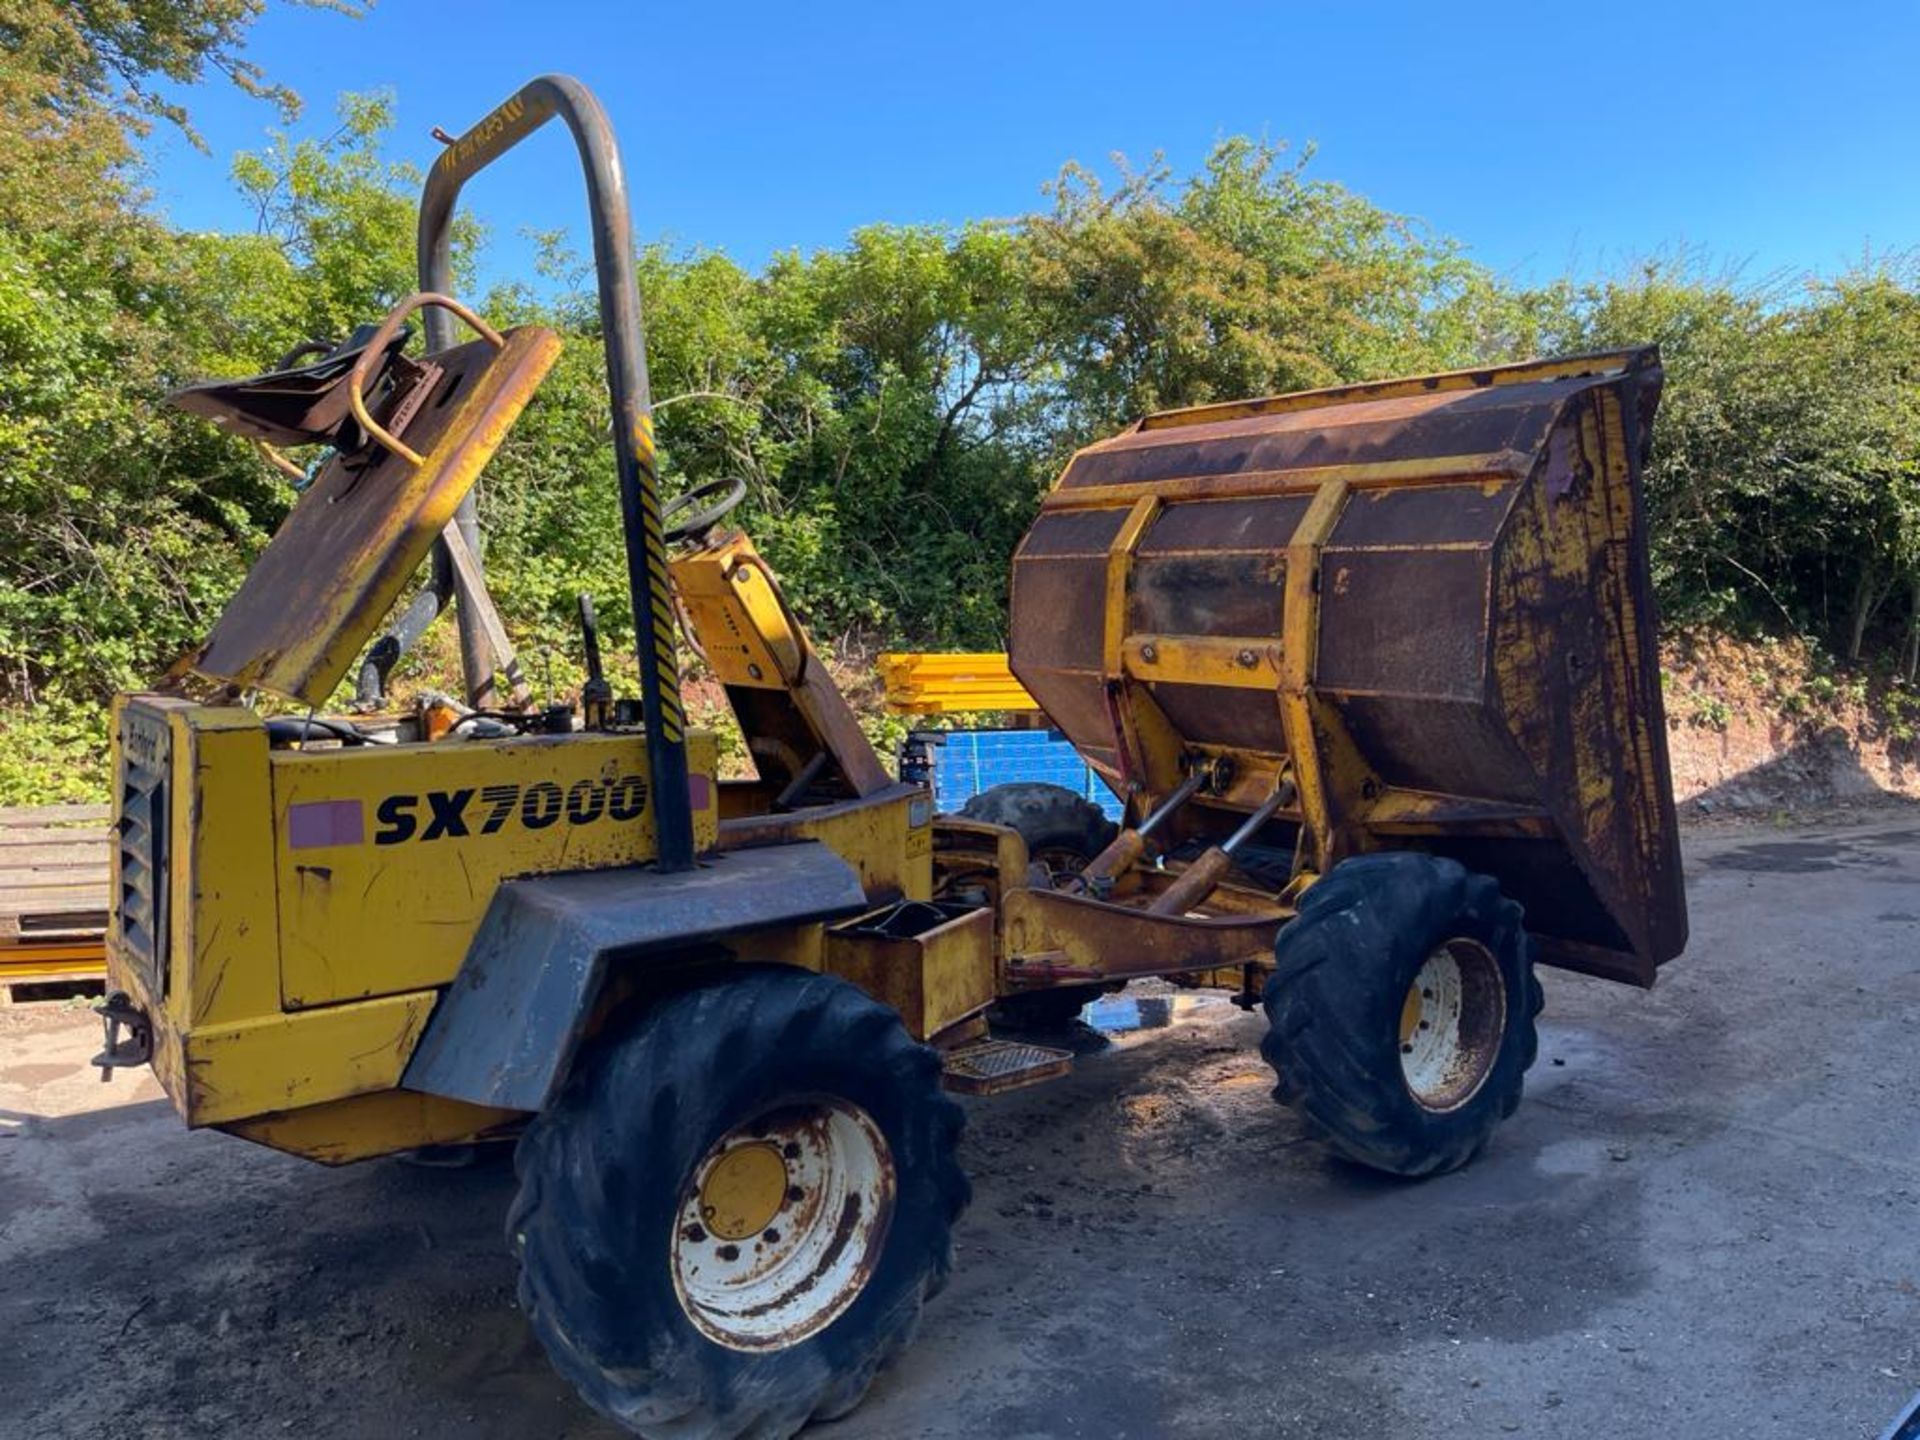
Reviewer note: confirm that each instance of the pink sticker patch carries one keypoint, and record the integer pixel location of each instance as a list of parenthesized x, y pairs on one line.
[(325, 822), (699, 792)]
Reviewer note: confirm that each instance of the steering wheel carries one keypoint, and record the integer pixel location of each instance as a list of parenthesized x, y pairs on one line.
[(691, 515)]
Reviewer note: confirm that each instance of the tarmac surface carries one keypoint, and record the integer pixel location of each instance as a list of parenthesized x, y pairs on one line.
[(1704, 1221)]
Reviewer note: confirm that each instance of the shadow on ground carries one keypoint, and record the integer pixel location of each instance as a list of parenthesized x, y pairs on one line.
[(1700, 1223)]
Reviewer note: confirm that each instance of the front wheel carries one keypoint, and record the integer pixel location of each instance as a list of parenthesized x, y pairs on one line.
[(733, 1214), (1401, 1011)]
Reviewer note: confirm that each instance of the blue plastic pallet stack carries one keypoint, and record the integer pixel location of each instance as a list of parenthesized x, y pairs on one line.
[(959, 764)]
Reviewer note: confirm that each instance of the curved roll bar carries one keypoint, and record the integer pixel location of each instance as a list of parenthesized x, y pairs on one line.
[(530, 107)]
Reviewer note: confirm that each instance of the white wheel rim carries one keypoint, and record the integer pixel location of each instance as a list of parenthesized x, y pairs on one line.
[(1451, 1024), (781, 1225)]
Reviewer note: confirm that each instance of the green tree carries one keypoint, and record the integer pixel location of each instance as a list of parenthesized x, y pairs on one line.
[(898, 404), (108, 56), (1782, 491), (122, 526), (1714, 478), (1249, 278), (341, 219), (1854, 465)]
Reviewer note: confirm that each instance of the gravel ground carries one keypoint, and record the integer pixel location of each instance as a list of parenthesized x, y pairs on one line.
[(1704, 1222)]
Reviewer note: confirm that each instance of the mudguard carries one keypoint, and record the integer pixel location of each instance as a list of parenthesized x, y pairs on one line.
[(505, 1032)]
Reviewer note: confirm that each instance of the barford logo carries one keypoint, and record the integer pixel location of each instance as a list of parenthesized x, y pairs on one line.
[(488, 809)]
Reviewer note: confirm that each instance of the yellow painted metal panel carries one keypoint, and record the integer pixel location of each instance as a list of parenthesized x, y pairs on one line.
[(337, 1132), (732, 611), (1500, 465), (934, 980), (224, 905), (1249, 663), (284, 1062), (802, 946), (1119, 574), (740, 622), (387, 857), (1300, 716), (888, 840)]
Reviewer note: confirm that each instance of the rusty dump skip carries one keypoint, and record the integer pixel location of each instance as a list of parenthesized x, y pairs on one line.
[(1426, 601)]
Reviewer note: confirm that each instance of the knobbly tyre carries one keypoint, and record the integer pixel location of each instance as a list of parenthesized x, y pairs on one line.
[(1373, 667)]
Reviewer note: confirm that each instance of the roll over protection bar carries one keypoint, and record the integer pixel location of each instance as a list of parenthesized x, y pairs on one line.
[(524, 112)]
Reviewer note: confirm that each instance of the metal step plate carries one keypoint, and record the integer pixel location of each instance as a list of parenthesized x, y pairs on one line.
[(993, 1067)]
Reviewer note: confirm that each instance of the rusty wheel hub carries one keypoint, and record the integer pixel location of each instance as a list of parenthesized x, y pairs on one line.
[(1451, 1024), (782, 1223)]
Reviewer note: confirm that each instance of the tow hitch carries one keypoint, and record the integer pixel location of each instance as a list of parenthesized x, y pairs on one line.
[(136, 1048)]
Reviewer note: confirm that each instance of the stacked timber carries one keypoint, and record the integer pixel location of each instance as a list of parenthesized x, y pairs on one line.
[(54, 863)]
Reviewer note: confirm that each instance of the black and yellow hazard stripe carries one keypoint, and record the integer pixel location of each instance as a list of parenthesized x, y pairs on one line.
[(673, 719)]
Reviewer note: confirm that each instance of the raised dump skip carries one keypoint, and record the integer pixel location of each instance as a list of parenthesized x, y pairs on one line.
[(1471, 661)]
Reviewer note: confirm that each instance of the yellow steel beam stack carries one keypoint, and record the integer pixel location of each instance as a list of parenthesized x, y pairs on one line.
[(919, 683)]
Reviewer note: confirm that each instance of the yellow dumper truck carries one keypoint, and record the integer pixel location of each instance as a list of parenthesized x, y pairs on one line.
[(1373, 669)]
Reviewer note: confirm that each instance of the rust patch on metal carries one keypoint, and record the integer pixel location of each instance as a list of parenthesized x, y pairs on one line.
[(349, 546)]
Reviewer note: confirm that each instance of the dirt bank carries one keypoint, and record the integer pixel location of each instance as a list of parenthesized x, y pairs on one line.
[(1766, 726)]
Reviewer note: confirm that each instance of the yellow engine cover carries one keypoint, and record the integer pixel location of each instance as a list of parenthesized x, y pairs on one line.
[(286, 918), (385, 856)]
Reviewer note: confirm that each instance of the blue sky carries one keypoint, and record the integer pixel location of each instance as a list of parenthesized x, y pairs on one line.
[(1549, 138)]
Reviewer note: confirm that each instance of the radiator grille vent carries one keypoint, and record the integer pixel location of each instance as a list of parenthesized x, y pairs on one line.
[(141, 834)]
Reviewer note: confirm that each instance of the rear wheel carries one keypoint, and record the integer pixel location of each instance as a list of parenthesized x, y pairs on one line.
[(1401, 1011), (733, 1214), (1064, 832)]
